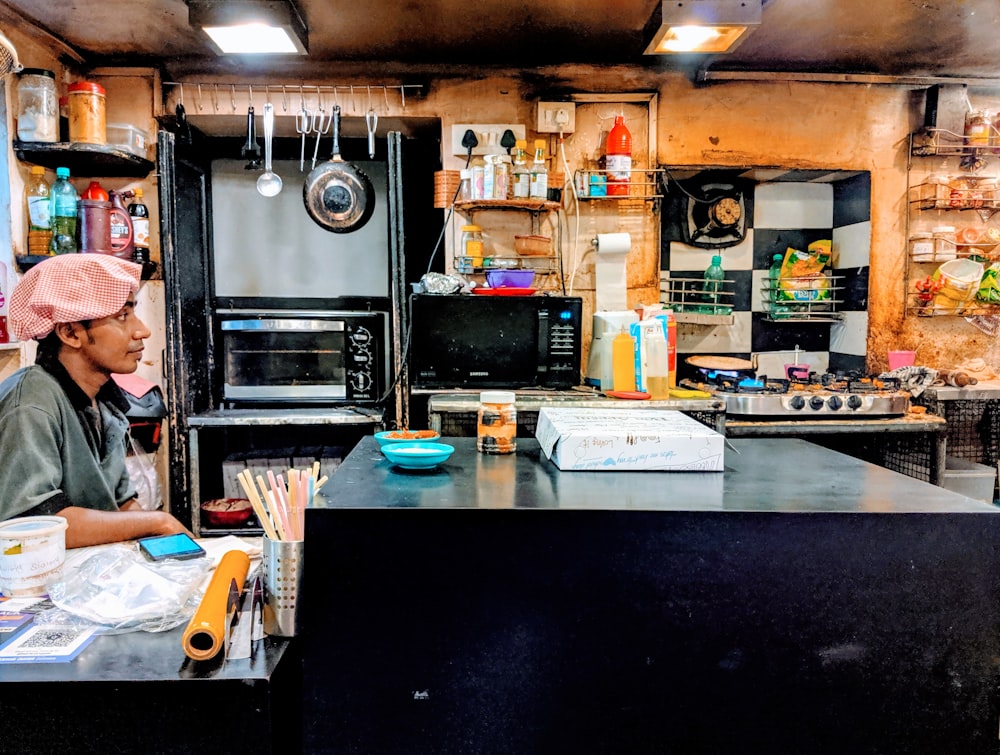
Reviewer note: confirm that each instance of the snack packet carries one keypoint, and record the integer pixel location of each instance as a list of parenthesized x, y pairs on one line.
[(802, 277)]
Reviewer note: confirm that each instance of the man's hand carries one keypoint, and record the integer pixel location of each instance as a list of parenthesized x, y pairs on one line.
[(91, 527)]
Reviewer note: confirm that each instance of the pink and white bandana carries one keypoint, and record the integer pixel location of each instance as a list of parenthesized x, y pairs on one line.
[(70, 288)]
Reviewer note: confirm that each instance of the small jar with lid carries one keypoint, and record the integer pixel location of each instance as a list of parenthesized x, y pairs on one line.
[(37, 106), (922, 246), (977, 128), (87, 114), (496, 431), (945, 242), (465, 185), (988, 188), (502, 172), (472, 245), (937, 192)]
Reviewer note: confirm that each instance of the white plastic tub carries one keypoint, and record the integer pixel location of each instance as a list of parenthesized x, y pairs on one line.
[(32, 552)]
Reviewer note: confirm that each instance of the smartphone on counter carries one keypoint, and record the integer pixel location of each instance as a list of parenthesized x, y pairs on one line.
[(162, 547)]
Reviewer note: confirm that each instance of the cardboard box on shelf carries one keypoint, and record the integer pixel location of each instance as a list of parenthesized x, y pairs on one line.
[(622, 439)]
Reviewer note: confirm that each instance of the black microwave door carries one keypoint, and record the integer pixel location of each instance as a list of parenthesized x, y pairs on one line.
[(466, 341)]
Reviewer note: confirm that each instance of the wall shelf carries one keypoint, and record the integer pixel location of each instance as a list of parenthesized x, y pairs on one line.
[(643, 186), (960, 192), (84, 159)]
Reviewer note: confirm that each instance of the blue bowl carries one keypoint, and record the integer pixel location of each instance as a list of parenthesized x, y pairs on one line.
[(417, 454), (387, 437)]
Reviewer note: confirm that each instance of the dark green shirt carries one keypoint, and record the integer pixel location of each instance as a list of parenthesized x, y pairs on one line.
[(55, 449)]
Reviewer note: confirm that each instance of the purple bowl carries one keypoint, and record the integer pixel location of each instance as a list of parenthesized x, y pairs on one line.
[(510, 278)]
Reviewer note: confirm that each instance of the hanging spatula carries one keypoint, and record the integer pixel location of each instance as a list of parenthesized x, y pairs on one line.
[(251, 150)]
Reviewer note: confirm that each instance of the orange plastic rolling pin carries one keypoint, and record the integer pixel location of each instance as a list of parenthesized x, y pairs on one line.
[(206, 633)]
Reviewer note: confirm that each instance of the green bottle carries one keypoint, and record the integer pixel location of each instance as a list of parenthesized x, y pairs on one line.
[(712, 288)]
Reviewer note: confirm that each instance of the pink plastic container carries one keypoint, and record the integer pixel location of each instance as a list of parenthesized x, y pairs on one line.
[(899, 359)]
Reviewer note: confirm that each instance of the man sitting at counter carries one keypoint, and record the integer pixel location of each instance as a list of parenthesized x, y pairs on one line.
[(63, 430)]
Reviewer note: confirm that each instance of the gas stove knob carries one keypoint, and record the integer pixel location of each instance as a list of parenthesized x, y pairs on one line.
[(854, 402), (835, 402), (797, 402), (816, 402)]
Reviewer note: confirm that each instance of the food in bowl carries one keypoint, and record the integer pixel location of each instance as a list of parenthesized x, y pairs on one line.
[(226, 512), (387, 437)]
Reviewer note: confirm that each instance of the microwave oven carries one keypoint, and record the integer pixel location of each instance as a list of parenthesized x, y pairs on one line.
[(290, 356), (480, 341)]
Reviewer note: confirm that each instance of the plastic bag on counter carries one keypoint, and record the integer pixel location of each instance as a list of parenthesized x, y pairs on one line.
[(120, 591)]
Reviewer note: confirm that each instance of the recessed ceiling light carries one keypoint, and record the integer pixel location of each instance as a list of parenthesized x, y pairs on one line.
[(701, 26), (250, 27)]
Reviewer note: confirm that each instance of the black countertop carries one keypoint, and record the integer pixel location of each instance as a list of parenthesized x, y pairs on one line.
[(761, 474), (801, 601)]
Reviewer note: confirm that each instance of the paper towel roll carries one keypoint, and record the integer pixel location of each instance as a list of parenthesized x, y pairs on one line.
[(613, 243), (610, 277)]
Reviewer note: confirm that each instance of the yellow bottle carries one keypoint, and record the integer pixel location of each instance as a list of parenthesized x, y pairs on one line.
[(623, 362)]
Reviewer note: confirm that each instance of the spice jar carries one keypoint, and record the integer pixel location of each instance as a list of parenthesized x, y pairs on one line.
[(957, 194), (938, 192), (944, 242), (87, 117), (472, 245), (977, 128), (37, 106), (496, 431), (922, 247)]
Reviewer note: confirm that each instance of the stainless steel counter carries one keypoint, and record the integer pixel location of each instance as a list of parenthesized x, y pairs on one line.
[(762, 474)]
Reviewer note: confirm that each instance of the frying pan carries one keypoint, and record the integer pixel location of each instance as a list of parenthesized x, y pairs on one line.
[(338, 196), (725, 365)]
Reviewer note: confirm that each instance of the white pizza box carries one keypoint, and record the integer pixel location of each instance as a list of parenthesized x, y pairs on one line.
[(609, 440)]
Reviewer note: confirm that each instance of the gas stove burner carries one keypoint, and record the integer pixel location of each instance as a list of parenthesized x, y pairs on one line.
[(828, 396)]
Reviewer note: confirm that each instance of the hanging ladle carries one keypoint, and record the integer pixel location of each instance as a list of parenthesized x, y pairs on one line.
[(269, 182)]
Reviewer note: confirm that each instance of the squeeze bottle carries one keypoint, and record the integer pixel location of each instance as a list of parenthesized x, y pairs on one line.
[(623, 362)]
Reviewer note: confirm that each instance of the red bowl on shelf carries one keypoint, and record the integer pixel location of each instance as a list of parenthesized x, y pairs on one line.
[(226, 512)]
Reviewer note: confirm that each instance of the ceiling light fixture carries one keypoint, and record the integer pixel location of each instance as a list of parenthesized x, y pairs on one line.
[(250, 26), (701, 26)]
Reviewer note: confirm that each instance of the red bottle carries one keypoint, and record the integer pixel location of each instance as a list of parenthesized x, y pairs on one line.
[(94, 191), (619, 158)]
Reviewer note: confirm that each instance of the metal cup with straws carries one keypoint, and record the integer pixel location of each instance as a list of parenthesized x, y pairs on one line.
[(281, 511)]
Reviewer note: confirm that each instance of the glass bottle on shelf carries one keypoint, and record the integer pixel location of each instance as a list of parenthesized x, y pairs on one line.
[(37, 197), (539, 173), (521, 172)]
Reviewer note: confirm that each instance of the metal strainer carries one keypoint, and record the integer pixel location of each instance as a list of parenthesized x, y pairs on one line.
[(8, 57)]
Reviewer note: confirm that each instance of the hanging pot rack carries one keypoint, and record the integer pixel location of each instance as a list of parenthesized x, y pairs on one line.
[(354, 99)]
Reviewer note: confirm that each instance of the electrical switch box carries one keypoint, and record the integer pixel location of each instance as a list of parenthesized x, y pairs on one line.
[(556, 117)]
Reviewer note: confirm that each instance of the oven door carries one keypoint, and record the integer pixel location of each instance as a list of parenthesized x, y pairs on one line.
[(284, 358)]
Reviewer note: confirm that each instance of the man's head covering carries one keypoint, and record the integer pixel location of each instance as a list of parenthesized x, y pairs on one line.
[(70, 288)]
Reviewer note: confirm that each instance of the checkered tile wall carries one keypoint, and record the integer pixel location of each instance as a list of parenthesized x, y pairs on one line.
[(782, 209)]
